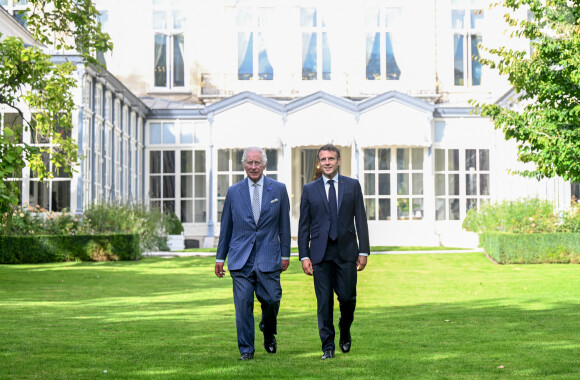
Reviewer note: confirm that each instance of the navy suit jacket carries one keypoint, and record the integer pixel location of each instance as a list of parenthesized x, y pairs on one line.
[(314, 223), (239, 233)]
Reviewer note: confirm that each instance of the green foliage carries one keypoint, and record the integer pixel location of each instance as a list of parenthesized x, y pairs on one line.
[(519, 216), (508, 248), (30, 80), (571, 219), (57, 248), (172, 224), (130, 218), (547, 82), (38, 221)]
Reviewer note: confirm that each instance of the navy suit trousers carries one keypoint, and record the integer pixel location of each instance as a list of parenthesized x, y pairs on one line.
[(266, 286)]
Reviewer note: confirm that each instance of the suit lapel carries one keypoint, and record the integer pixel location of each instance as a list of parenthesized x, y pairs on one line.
[(266, 196), (322, 191), (341, 189)]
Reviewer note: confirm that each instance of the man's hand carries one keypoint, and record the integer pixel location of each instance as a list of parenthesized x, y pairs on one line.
[(361, 263), (219, 270), (285, 264), (307, 267)]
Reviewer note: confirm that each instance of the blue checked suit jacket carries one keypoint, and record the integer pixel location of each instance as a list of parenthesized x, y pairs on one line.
[(239, 232)]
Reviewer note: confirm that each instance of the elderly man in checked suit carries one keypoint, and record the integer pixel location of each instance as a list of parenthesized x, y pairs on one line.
[(255, 237)]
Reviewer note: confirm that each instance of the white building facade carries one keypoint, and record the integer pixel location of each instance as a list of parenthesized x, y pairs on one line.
[(193, 83)]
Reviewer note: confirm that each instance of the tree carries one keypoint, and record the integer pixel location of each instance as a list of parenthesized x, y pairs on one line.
[(30, 80), (547, 84)]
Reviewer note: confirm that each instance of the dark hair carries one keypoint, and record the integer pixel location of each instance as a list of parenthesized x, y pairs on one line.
[(330, 148)]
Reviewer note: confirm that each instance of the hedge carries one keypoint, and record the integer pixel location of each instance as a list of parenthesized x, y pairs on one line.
[(510, 248), (56, 248)]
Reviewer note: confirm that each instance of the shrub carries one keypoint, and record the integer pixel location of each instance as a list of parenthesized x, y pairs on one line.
[(172, 224), (520, 216), (570, 219), (129, 218), (28, 220), (509, 248)]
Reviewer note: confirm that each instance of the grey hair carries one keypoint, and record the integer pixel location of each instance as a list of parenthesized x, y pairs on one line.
[(255, 148)]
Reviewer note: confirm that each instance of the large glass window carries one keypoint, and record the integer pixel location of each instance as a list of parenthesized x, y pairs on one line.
[(393, 183), (315, 48), (462, 181), (169, 21), (382, 36), (466, 19), (253, 58), (193, 187), (230, 170), (16, 8)]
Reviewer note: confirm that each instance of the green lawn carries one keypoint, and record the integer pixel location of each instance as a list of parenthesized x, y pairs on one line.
[(442, 316)]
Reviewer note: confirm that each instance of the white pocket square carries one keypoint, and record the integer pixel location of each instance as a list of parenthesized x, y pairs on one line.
[(274, 200)]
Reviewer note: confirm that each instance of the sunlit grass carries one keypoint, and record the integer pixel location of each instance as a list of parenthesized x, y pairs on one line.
[(418, 316)]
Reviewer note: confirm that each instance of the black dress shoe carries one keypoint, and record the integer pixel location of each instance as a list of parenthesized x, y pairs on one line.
[(246, 356), (270, 343), (345, 346), (328, 354)]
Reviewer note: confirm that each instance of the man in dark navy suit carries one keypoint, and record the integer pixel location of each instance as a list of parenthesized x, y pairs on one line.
[(330, 209), (255, 237)]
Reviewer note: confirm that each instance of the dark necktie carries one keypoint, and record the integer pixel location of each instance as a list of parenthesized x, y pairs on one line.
[(333, 234)]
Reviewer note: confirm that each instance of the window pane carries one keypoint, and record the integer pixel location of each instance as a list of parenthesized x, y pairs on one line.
[(154, 162), (392, 69), (476, 18), (178, 65), (384, 209), (245, 55), (457, 18), (453, 159), (417, 208), (417, 183), (223, 160), (440, 209), (160, 70), (326, 61), (471, 203), (458, 59), (186, 134), (237, 178), (384, 159), (403, 208), (200, 161), (475, 61), (237, 160), (168, 161), (384, 184), (155, 187), (369, 183), (439, 184), (471, 184), (60, 195), (307, 17), (186, 161), (371, 17), (155, 133), (403, 184), (265, 70), (186, 186), (200, 211), (484, 184), (159, 19), (454, 209), (403, 158), (38, 194), (272, 155), (169, 207), (168, 186), (220, 208), (439, 160), (179, 20), (370, 206), (222, 185), (309, 64), (373, 56), (169, 133), (453, 184), (369, 160), (483, 159), (200, 186), (186, 211), (470, 159), (417, 158)]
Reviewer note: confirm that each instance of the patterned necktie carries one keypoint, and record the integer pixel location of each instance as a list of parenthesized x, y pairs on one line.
[(256, 203), (333, 234)]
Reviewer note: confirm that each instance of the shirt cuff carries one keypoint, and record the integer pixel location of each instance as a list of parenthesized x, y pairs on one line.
[(304, 258), (219, 261), (285, 258), (363, 254)]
